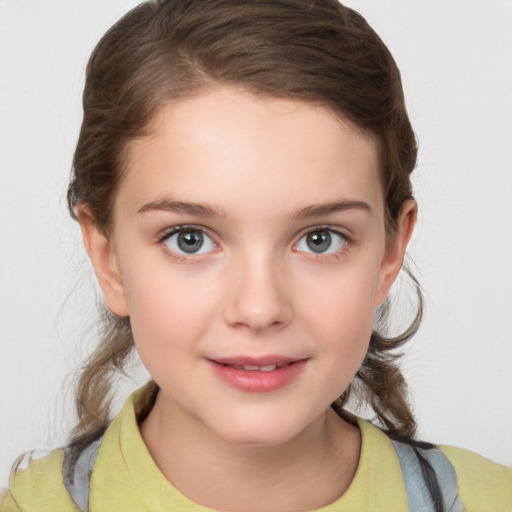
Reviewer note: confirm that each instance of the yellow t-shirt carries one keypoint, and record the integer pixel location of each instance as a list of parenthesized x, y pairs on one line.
[(125, 477)]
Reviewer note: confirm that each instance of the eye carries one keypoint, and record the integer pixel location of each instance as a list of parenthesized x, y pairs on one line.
[(188, 241), (321, 241)]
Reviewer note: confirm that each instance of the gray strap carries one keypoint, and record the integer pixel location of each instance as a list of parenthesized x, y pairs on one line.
[(418, 495), (77, 473)]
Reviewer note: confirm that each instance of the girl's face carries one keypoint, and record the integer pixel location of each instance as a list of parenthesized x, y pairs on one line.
[(248, 248)]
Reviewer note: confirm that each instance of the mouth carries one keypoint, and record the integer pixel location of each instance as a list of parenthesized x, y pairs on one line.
[(267, 363), (262, 374), (255, 368)]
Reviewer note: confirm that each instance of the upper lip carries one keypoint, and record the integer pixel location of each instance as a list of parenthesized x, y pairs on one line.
[(256, 361)]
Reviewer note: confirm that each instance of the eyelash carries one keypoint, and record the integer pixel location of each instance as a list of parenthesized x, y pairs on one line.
[(186, 228), (320, 257), (324, 257)]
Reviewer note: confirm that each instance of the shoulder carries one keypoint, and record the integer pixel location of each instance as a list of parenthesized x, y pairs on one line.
[(483, 484), (37, 485)]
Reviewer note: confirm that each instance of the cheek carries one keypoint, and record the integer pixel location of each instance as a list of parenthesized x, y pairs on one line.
[(342, 301), (340, 317), (167, 309)]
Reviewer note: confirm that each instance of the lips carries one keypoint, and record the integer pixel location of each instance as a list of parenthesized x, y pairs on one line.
[(256, 368), (261, 374), (250, 368), (256, 361)]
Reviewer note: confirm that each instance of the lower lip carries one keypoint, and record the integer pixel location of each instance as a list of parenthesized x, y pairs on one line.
[(258, 381)]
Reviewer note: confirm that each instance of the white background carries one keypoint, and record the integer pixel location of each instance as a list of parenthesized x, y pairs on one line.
[(456, 63)]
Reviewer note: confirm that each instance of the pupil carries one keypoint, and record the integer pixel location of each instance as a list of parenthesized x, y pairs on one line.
[(319, 242), (191, 241)]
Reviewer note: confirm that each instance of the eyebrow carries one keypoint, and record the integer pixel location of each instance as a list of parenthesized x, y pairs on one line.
[(318, 210), (205, 210), (169, 205)]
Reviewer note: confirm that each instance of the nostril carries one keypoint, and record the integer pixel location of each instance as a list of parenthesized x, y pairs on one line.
[(258, 298)]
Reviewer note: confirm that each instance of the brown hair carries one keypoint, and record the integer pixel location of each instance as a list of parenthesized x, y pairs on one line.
[(313, 50)]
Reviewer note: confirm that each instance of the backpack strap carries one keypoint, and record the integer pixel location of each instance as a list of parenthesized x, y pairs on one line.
[(77, 469), (419, 496)]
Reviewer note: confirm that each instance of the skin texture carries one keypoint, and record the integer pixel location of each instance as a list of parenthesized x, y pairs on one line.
[(254, 289)]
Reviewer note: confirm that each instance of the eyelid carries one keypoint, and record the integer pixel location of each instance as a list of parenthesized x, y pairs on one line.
[(325, 227), (168, 232), (179, 257), (180, 228), (315, 229)]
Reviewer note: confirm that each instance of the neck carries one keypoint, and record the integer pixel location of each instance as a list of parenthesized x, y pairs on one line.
[(309, 471)]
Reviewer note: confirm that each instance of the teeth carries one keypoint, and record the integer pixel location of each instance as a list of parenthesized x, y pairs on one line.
[(251, 368), (268, 367), (254, 368)]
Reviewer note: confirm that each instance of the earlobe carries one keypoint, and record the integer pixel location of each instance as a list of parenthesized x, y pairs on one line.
[(100, 249), (395, 250)]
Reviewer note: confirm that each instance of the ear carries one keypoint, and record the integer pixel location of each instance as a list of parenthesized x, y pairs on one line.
[(395, 250), (100, 249)]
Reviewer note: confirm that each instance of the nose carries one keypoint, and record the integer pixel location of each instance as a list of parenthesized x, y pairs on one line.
[(259, 295)]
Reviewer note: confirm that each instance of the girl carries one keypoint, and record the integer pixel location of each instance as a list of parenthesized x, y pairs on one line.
[(242, 182)]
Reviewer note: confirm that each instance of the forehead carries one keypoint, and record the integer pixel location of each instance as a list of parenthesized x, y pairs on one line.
[(230, 146)]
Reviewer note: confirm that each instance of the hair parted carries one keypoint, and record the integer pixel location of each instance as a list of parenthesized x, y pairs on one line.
[(317, 51)]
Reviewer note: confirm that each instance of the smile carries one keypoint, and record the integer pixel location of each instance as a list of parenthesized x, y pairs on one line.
[(255, 368), (260, 375)]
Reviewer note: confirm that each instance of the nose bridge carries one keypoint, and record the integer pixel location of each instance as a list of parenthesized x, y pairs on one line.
[(259, 289)]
